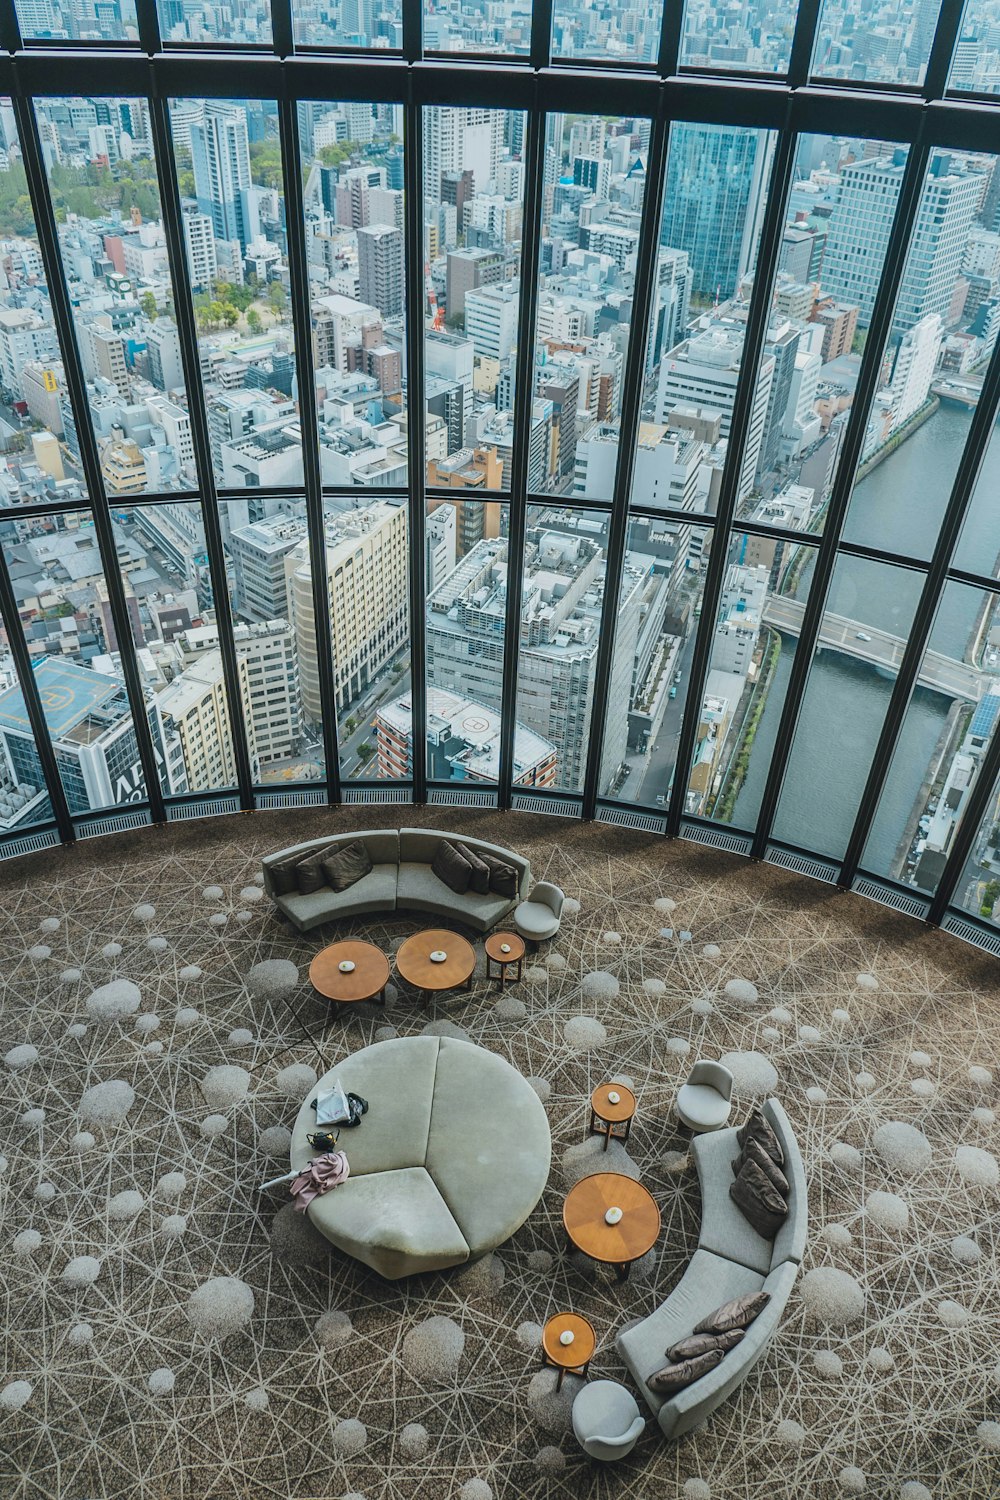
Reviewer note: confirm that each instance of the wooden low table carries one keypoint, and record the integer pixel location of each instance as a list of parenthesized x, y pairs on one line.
[(366, 981), (574, 1358), (494, 954), (415, 965), (618, 1244), (605, 1114)]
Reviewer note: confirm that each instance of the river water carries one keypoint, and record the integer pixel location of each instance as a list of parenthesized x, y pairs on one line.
[(898, 506)]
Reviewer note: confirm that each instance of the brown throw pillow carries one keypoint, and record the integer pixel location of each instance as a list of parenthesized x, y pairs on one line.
[(700, 1343), (503, 877), (675, 1377), (739, 1313), (351, 863), (758, 1201), (757, 1128), (283, 874), (309, 875), (451, 867), (754, 1151), (480, 880)]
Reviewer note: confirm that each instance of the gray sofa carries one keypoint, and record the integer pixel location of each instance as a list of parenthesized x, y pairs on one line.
[(732, 1258), (401, 876)]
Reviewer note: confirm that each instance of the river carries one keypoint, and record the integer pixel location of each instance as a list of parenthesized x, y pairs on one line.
[(899, 506)]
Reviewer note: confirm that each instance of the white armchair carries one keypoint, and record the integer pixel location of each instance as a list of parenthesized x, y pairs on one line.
[(538, 918), (704, 1102), (606, 1420)]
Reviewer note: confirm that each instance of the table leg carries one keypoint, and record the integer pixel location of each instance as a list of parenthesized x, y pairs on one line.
[(607, 1137), (559, 1378), (622, 1271), (520, 970)]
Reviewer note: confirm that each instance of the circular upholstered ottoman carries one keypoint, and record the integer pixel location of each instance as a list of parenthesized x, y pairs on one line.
[(449, 1161)]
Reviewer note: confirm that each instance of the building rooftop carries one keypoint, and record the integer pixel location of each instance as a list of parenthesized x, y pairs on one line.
[(69, 694)]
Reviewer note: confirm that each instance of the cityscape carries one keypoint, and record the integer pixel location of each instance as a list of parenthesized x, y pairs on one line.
[(227, 157)]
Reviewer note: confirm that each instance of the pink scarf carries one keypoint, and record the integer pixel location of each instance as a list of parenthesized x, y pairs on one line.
[(322, 1174)]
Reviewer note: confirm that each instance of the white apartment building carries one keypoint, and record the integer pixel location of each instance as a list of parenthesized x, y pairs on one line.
[(703, 371), (269, 681), (459, 139), (194, 707), (199, 238), (741, 609), (442, 545), (176, 426), (491, 319), (23, 337), (667, 467)]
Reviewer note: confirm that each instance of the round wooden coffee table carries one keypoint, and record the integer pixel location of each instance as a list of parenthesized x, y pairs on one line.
[(415, 965), (365, 981), (606, 1113), (574, 1357), (618, 1244), (494, 945)]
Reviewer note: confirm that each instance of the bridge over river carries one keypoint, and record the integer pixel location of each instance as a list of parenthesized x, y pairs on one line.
[(955, 679)]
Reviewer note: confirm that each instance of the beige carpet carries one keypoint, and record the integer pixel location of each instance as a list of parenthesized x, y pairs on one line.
[(130, 1175)]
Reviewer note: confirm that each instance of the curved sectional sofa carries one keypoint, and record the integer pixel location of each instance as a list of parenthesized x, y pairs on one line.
[(401, 876), (731, 1259)]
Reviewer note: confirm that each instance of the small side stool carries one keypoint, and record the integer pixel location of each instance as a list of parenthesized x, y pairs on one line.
[(572, 1358), (606, 1113), (494, 945)]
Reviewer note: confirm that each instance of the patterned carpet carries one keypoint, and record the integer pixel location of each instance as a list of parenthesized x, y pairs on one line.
[(130, 1175)]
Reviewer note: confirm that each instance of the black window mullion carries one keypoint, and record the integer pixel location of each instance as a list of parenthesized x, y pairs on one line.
[(170, 209), (979, 800), (10, 29), (413, 25), (671, 34), (298, 272), (614, 553), (541, 33), (946, 33), (746, 385), (149, 26), (416, 432), (281, 27), (963, 489), (62, 312), (907, 207), (524, 387), (804, 42)]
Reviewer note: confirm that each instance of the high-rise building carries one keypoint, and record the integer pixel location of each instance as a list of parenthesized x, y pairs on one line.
[(466, 271), (203, 262), (195, 709), (163, 346), (220, 157), (380, 268), (703, 371), (459, 139), (714, 200), (491, 319), (463, 742), (258, 553)]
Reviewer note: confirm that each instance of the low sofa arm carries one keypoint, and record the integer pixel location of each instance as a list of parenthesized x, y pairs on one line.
[(619, 1442)]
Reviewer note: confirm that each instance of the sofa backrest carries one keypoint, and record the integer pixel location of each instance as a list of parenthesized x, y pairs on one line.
[(382, 845), (790, 1241), (419, 846)]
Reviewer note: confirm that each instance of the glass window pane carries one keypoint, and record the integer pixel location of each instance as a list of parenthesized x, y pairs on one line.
[(659, 608), (978, 888), (713, 205), (368, 585), (889, 46), (102, 178), (265, 539), (63, 606), (976, 63), (24, 800), (473, 207), (41, 456), (734, 38), (607, 30), (241, 23), (978, 549), (353, 167), (60, 21), (948, 726), (862, 637), (347, 23), (592, 214), (467, 26), (933, 367), (228, 161)]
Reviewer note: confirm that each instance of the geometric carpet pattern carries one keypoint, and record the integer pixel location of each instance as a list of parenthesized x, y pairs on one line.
[(170, 1332)]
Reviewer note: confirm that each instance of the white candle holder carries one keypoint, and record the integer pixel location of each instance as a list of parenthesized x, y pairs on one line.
[(567, 1336), (346, 967), (613, 1216), (613, 1098), (504, 947), (438, 956)]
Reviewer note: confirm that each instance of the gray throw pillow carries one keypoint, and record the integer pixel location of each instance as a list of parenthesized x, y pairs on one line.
[(758, 1128), (758, 1201), (451, 867), (503, 877), (754, 1151), (738, 1313), (283, 874), (479, 880), (675, 1377), (351, 863), (701, 1343), (309, 876)]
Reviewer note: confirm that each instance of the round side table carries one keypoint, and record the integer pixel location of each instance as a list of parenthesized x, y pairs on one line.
[(606, 1113), (574, 1357), (495, 945)]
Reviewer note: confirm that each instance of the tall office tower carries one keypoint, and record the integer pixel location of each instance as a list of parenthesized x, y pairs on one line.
[(220, 156), (671, 305), (366, 567), (440, 533), (491, 319), (467, 270), (782, 344), (703, 372), (457, 140), (714, 200), (163, 347), (258, 553), (861, 225), (269, 680), (380, 268)]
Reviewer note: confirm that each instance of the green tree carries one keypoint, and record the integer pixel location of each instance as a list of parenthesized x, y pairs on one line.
[(276, 296), (230, 315), (364, 750), (253, 321), (148, 304), (335, 156)]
